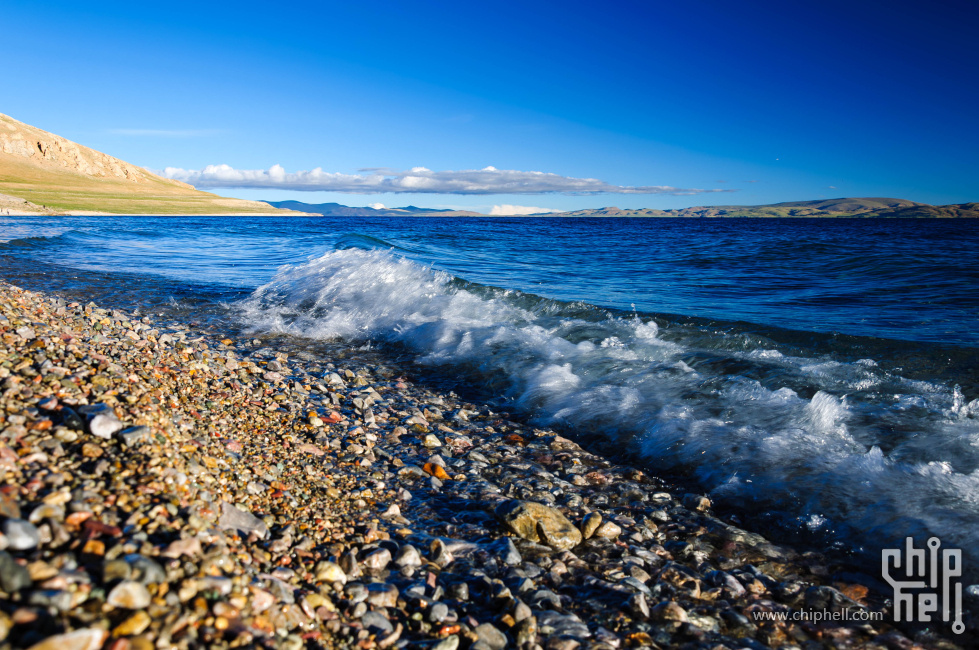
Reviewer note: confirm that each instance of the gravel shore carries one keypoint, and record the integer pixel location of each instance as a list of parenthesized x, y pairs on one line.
[(163, 488)]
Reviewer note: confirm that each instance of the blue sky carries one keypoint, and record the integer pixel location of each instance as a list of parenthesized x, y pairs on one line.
[(767, 101)]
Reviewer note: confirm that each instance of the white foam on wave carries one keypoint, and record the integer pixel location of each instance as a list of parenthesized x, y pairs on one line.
[(822, 457)]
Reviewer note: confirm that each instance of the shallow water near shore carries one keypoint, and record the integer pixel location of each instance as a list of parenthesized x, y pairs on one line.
[(822, 371)]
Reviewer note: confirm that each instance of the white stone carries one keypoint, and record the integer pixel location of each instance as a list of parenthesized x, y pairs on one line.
[(104, 425), (129, 594)]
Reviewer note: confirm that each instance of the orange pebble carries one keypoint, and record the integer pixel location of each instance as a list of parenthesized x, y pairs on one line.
[(437, 471)]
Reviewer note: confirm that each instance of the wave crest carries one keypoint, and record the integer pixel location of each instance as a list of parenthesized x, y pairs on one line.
[(818, 439)]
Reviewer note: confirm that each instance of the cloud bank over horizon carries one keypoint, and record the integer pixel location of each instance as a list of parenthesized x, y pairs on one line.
[(507, 210), (417, 180)]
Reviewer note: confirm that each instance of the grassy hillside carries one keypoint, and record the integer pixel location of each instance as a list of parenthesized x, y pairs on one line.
[(58, 174), (69, 191)]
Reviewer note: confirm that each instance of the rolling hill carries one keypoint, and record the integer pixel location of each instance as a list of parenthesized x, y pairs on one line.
[(41, 172), (870, 208)]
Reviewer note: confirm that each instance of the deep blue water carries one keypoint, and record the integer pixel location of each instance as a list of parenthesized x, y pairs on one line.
[(825, 370), (902, 279)]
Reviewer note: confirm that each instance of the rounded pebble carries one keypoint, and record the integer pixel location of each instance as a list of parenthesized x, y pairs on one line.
[(129, 594)]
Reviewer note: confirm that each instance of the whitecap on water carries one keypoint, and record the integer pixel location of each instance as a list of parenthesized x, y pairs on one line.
[(841, 445)]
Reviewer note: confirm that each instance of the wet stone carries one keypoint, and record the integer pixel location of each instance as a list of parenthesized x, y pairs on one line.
[(359, 610), (129, 595), (490, 636), (558, 624), (256, 487), (590, 524), (636, 585), (261, 600), (639, 605), (545, 598), (41, 571), (737, 621), (116, 570), (25, 333), (705, 623), (356, 592), (135, 624), (71, 419), (440, 553), (696, 502), (376, 623), (330, 572), (377, 560), (608, 530), (132, 436), (438, 612), (9, 506), (190, 547), (104, 425), (50, 598), (459, 591), (13, 576), (825, 597), (281, 590), (78, 640), (233, 518), (669, 611), (448, 643), (725, 580), (21, 535), (507, 551), (538, 523), (382, 595), (408, 556), (146, 570), (411, 472)]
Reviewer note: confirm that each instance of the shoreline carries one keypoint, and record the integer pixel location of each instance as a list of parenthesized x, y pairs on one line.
[(371, 512), (13, 206)]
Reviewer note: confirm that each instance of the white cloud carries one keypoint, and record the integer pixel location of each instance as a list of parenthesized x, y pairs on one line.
[(509, 210), (377, 206), (417, 180)]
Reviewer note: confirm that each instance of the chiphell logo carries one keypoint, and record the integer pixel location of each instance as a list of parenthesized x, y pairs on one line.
[(924, 582)]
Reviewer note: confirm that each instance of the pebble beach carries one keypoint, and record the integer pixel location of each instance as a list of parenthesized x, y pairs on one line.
[(165, 487)]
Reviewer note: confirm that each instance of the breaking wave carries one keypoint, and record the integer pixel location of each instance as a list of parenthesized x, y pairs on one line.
[(849, 448)]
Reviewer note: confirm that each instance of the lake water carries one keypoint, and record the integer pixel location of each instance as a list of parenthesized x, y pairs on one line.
[(822, 372)]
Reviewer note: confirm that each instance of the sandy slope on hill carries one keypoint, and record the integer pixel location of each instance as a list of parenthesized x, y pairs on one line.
[(59, 176)]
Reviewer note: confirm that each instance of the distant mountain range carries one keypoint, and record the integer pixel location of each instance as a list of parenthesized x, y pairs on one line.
[(337, 210), (869, 208)]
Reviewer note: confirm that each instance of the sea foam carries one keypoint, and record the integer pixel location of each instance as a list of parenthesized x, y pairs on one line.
[(843, 447)]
